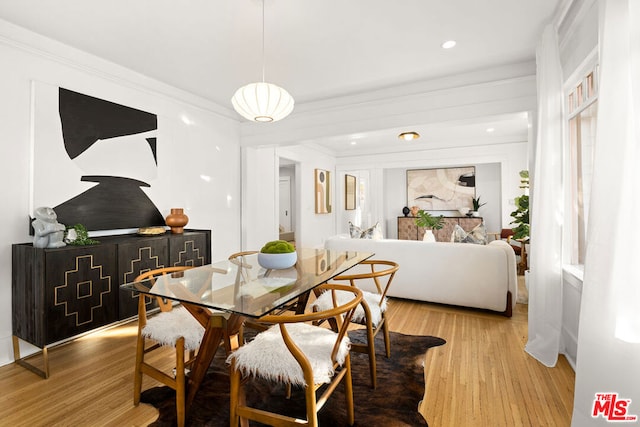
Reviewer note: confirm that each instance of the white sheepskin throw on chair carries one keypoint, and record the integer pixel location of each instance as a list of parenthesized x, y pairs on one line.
[(166, 327), (268, 357), (325, 302)]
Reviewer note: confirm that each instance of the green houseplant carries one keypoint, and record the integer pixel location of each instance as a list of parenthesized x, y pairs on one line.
[(426, 220), (521, 214), (78, 235), (277, 255), (430, 222), (476, 205), (277, 247)]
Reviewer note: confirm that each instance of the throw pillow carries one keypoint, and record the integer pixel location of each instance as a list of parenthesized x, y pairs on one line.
[(354, 231), (477, 236), (458, 234), (373, 232)]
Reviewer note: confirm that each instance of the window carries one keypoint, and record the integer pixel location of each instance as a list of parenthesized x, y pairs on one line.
[(582, 109)]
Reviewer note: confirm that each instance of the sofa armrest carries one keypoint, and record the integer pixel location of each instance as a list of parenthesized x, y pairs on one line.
[(512, 277)]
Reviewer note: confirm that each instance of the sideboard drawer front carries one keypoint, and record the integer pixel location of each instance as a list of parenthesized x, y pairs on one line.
[(407, 228), (134, 258), (81, 290), (189, 249)]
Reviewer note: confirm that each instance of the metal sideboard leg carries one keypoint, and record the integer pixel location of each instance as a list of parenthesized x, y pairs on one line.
[(23, 361)]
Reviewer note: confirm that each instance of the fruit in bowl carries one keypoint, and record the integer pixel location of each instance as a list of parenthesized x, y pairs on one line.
[(277, 255)]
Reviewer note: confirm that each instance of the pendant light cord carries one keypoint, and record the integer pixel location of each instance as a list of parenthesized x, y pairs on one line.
[(262, 41)]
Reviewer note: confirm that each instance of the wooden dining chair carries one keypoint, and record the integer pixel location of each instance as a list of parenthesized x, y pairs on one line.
[(295, 352), (507, 234), (371, 311), (172, 326)]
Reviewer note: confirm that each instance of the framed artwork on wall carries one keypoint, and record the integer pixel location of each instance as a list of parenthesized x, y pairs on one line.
[(441, 189), (323, 191), (349, 192), (92, 159)]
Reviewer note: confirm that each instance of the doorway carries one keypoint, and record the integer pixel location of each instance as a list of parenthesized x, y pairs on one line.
[(285, 204), (286, 200)]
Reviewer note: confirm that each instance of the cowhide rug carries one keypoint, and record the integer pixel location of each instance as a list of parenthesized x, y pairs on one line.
[(393, 403)]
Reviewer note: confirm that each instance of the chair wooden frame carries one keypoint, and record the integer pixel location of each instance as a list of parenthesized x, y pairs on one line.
[(388, 270), (141, 367), (342, 314)]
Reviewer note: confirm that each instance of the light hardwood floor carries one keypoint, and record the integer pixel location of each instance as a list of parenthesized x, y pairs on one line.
[(481, 377)]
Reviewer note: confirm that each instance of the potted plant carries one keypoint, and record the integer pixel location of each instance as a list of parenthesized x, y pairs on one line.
[(476, 206), (521, 214), (277, 255), (78, 235), (430, 222), (521, 221)]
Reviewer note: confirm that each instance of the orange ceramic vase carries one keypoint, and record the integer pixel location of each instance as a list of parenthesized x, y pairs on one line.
[(177, 220)]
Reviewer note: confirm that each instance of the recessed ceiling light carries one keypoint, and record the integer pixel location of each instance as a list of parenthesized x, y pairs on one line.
[(354, 142), (490, 129), (448, 44), (409, 136)]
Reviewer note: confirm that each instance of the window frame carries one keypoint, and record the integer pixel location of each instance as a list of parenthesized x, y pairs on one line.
[(580, 94)]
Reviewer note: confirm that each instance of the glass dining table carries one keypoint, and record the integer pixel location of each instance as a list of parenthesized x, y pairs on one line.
[(223, 294)]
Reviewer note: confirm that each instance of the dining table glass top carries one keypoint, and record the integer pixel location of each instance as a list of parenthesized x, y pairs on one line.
[(243, 287)]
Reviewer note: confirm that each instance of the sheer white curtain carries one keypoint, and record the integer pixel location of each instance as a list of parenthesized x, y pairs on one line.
[(545, 279), (608, 359)]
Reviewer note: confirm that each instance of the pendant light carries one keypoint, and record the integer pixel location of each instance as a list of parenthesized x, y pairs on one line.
[(261, 101)]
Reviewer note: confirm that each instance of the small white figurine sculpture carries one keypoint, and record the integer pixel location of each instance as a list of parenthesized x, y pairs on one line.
[(49, 233)]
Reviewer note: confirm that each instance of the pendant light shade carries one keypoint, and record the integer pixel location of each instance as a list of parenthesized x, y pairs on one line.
[(262, 102)]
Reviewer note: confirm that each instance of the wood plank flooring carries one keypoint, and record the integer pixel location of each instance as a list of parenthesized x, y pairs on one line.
[(481, 377)]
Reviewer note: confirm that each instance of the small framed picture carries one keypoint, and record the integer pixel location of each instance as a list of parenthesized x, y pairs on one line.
[(349, 192), (323, 191)]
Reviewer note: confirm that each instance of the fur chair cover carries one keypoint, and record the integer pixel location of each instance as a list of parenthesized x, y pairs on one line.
[(268, 357), (325, 302), (166, 327)]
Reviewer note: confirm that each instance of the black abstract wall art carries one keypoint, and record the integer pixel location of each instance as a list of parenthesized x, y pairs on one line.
[(116, 202)]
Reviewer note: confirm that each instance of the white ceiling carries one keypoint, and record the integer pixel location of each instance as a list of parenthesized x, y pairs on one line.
[(317, 50)]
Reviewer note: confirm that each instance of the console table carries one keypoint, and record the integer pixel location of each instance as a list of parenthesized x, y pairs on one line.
[(58, 294), (408, 230)]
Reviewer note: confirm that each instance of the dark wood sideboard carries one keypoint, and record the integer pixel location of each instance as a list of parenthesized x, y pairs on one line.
[(408, 230), (60, 293)]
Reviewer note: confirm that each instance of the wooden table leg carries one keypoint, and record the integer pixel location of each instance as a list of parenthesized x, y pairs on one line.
[(208, 349), (217, 327)]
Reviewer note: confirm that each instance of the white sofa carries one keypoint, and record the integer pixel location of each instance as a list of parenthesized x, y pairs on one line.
[(464, 274)]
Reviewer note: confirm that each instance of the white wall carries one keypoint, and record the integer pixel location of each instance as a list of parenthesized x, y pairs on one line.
[(260, 171), (200, 158)]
